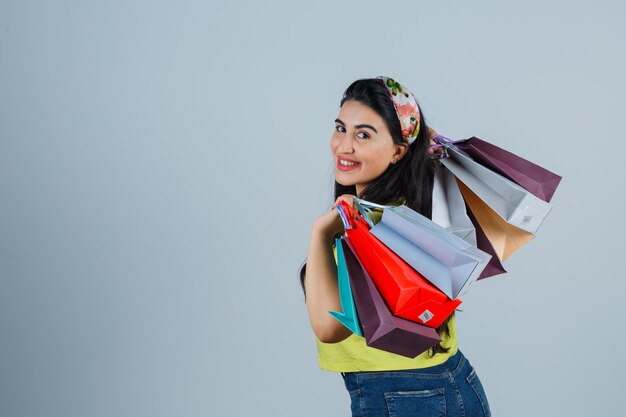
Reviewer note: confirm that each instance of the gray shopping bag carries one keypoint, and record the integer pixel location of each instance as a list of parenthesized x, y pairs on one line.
[(513, 203), (447, 261), (448, 207)]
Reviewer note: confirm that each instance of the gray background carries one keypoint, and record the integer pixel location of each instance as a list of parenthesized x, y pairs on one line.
[(161, 164)]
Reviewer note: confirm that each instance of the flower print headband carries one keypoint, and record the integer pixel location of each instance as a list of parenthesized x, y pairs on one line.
[(406, 108)]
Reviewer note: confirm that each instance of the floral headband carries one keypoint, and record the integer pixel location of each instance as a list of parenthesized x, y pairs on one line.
[(406, 108)]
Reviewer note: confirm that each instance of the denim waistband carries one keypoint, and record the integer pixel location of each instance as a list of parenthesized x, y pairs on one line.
[(453, 365), (455, 362)]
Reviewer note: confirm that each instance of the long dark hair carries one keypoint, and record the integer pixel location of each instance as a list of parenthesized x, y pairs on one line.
[(410, 178)]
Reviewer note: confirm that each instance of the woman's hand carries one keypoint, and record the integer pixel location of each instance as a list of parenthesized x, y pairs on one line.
[(329, 223), (431, 134)]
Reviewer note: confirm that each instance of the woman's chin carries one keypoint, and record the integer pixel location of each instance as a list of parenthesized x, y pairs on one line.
[(343, 181)]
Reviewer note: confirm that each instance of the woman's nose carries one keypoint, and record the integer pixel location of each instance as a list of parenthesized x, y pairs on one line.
[(345, 144)]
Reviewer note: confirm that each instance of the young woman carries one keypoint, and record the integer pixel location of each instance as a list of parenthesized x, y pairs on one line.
[(380, 147)]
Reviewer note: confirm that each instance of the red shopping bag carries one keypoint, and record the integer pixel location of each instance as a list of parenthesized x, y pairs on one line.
[(408, 294), (381, 329)]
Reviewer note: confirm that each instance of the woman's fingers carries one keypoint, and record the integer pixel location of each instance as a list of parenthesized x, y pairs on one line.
[(345, 197), (432, 134)]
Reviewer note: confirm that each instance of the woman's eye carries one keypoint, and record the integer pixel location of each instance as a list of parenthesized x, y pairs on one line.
[(363, 135), (339, 128)]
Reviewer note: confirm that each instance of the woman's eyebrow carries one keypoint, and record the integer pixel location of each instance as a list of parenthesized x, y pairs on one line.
[(358, 126)]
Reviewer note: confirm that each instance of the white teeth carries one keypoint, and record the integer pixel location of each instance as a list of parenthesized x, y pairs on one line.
[(346, 163)]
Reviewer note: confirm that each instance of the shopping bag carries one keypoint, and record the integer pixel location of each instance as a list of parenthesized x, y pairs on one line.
[(381, 329), (494, 267), (517, 206), (538, 180), (447, 261), (448, 207), (368, 210), (408, 294), (505, 238), (348, 315), (452, 213)]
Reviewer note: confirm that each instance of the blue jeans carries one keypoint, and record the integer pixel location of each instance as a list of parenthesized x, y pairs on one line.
[(451, 389)]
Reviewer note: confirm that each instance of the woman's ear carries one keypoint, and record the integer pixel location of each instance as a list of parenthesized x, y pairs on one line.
[(400, 150)]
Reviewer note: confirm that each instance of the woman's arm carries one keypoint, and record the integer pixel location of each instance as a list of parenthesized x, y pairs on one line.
[(322, 293)]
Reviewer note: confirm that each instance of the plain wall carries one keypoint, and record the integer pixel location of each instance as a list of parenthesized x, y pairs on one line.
[(161, 164)]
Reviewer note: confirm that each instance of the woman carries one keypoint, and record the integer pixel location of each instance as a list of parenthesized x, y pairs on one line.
[(381, 151)]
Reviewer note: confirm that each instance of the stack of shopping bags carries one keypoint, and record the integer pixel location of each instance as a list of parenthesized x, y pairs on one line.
[(401, 276)]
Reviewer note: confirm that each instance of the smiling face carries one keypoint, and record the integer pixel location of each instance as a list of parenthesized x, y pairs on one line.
[(362, 146)]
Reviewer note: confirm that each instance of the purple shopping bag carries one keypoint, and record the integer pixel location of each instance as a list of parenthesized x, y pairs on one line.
[(383, 330), (537, 180)]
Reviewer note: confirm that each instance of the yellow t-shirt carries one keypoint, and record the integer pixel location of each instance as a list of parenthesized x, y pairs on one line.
[(353, 355)]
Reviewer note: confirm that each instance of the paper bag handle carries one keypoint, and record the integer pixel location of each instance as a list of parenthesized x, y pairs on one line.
[(349, 216)]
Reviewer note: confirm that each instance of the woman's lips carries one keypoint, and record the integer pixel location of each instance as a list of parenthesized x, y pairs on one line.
[(347, 167)]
